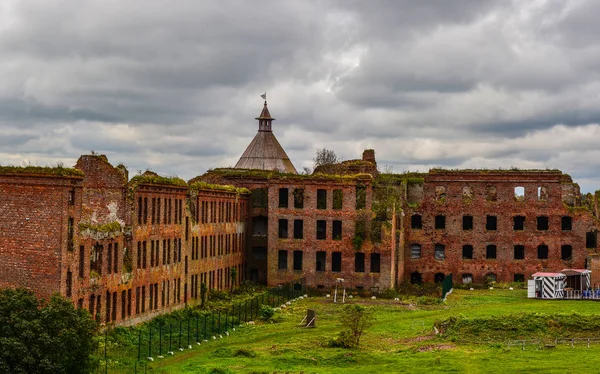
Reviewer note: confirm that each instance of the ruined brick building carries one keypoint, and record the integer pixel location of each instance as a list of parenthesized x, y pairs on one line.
[(130, 249)]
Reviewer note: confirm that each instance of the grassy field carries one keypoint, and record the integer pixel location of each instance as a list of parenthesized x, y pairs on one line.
[(401, 340)]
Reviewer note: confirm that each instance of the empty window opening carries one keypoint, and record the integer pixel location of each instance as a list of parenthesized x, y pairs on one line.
[(283, 197), (566, 252), (259, 197), (72, 197), (440, 252), (566, 223), (415, 251), (70, 229), (359, 262), (440, 193), (283, 229), (81, 261), (336, 232), (375, 262), (336, 261), (491, 277), (519, 223), (297, 260), (299, 198), (542, 223), (467, 252), (438, 277), (440, 222), (467, 278), (321, 199), (69, 283), (519, 252), (491, 193), (282, 260), (491, 223), (519, 193), (361, 197), (338, 199), (298, 229), (467, 222), (416, 278), (321, 229), (416, 222), (519, 278), (542, 252), (543, 193), (590, 239), (320, 263), (259, 226), (490, 252)]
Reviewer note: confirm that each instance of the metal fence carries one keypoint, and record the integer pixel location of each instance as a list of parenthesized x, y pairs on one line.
[(125, 350)]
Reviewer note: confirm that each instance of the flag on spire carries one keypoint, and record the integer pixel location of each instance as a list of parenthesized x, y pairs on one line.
[(264, 96)]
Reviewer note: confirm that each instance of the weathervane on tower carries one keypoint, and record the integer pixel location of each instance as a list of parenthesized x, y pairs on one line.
[(264, 96)]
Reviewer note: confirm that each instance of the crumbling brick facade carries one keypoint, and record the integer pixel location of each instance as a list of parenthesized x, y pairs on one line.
[(125, 250), (505, 225)]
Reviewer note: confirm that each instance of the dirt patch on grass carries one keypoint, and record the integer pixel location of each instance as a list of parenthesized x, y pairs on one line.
[(433, 347)]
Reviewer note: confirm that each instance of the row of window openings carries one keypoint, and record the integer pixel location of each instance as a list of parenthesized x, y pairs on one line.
[(217, 279), (298, 193), (260, 198), (321, 232), (321, 258), (169, 216), (492, 193), (220, 211), (142, 253), (216, 245), (214, 279), (566, 252), (491, 222), (467, 278)]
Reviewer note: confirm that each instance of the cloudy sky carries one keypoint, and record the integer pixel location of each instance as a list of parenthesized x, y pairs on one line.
[(174, 86)]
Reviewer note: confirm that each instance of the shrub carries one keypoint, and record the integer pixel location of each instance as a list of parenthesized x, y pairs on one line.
[(354, 318), (244, 353), (266, 312)]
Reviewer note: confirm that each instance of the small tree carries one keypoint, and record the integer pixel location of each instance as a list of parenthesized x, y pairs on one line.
[(233, 276), (203, 294), (355, 319), (325, 158)]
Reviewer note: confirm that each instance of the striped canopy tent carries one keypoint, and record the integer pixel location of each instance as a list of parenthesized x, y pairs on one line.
[(549, 285), (577, 279)]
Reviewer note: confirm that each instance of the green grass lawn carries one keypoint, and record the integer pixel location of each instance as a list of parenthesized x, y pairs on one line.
[(401, 340)]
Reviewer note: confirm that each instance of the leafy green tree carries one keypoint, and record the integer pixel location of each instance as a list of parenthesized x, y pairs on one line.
[(233, 276), (44, 337)]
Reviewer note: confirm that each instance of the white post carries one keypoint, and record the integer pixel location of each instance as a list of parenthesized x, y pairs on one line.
[(344, 296), (335, 293)]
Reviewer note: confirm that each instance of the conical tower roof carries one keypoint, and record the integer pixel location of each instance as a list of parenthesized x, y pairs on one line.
[(264, 151)]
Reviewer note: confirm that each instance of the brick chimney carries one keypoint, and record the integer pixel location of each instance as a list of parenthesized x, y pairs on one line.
[(369, 155)]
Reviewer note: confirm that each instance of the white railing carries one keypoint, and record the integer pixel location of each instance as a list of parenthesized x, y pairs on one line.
[(585, 294)]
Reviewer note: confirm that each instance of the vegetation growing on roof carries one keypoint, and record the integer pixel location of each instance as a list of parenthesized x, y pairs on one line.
[(152, 178), (57, 170), (274, 175), (218, 187), (499, 170)]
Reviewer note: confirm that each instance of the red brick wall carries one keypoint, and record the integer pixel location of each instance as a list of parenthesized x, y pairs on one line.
[(455, 205), (34, 212)]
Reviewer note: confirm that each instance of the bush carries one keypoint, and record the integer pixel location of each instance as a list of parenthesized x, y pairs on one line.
[(354, 318), (266, 312), (218, 295), (244, 353)]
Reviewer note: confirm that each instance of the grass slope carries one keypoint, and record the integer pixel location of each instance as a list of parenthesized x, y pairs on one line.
[(401, 341)]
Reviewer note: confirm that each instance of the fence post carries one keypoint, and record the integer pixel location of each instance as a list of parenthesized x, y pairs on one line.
[(180, 322), (226, 319), (212, 324), (245, 310), (188, 331), (205, 316), (106, 344), (219, 322), (240, 314), (160, 339), (150, 342), (197, 318), (139, 344), (170, 337)]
